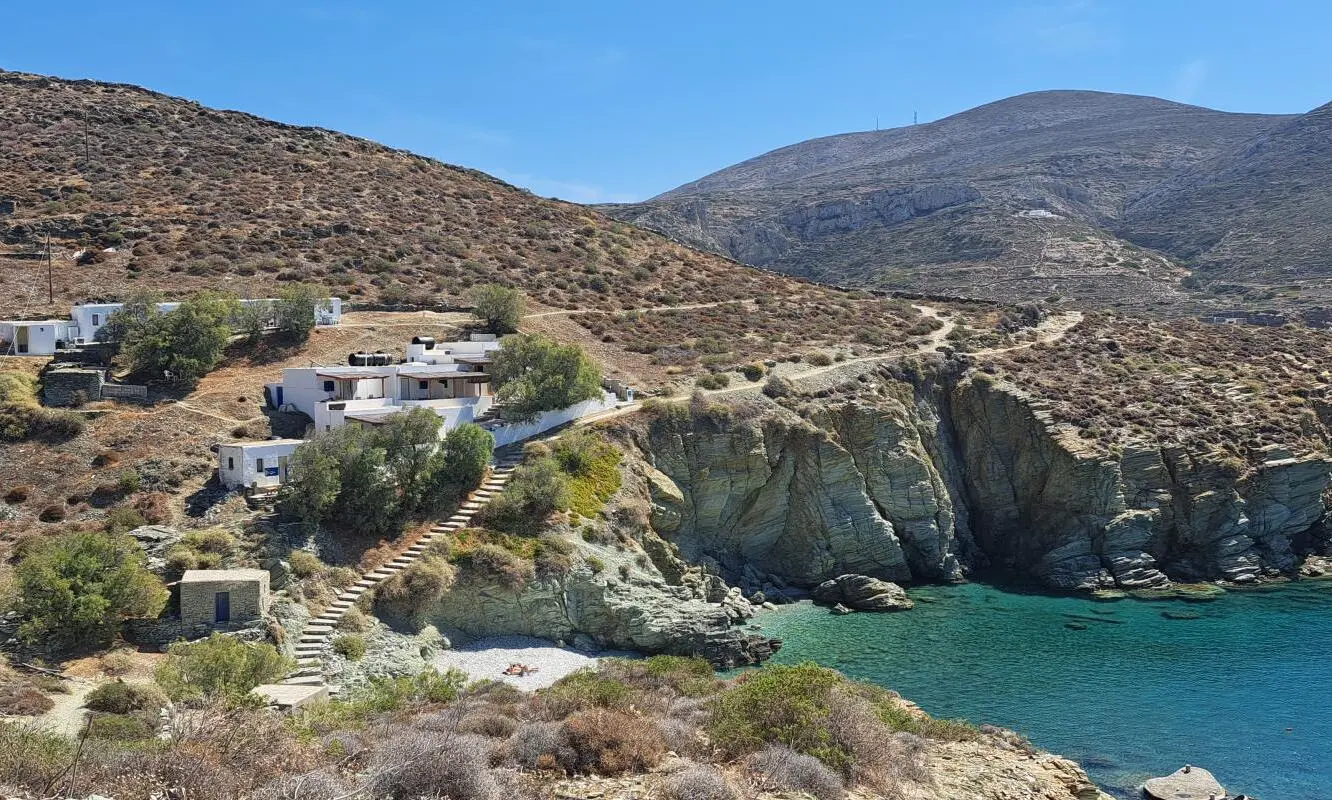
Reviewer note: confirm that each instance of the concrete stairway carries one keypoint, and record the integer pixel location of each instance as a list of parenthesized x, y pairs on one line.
[(317, 637)]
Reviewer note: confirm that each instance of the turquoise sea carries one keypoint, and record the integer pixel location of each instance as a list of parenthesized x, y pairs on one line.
[(1245, 689)]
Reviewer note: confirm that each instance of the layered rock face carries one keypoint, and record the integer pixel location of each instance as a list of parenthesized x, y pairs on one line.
[(639, 613), (966, 477)]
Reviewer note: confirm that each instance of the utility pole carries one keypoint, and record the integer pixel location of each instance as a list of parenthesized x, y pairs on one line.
[(876, 122), (50, 279), (914, 117)]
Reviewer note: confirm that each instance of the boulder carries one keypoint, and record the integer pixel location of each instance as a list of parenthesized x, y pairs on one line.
[(1186, 783), (863, 593)]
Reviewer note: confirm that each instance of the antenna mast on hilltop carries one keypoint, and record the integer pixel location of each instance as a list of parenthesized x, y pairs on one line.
[(914, 117)]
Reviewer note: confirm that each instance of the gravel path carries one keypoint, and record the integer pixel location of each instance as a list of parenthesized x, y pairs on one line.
[(486, 659)]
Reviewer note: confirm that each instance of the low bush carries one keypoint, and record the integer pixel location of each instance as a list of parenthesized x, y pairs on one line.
[(780, 768), (305, 564), (413, 590), (713, 380), (355, 621), (32, 757), (610, 742), (777, 386), (415, 763), (120, 727), (818, 359), (18, 494), (21, 698), (123, 519), (753, 372), (219, 667), (350, 646), (584, 689), (505, 568), (118, 697), (697, 782), (541, 746), (536, 490)]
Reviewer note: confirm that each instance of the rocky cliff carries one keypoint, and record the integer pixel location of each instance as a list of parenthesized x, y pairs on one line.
[(966, 476)]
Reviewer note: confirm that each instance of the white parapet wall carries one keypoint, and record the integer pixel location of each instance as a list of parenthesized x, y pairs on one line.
[(511, 433)]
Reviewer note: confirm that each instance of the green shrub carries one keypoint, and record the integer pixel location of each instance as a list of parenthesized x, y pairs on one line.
[(415, 589), (129, 482), (31, 756), (219, 667), (787, 705), (500, 565), (120, 727), (586, 688), (611, 742), (118, 697), (294, 313), (123, 519), (593, 467), (350, 646), (818, 359), (305, 564), (597, 565), (535, 491), (77, 587), (717, 380), (533, 374), (692, 677), (499, 307), (186, 343), (384, 694), (752, 372), (178, 560)]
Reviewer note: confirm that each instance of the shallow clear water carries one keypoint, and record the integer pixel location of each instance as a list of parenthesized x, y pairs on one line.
[(1245, 690)]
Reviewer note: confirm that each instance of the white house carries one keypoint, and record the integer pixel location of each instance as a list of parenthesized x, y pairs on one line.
[(43, 337), (33, 337), (260, 464), (447, 377), (89, 318)]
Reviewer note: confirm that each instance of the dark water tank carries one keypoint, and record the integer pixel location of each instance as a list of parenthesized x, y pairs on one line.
[(369, 359), (428, 341)]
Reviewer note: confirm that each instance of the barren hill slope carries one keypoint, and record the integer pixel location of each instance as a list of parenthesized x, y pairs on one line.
[(1010, 199), (165, 193), (1259, 215)]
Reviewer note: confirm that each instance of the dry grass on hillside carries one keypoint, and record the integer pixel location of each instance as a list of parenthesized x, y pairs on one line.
[(1119, 380), (189, 198)]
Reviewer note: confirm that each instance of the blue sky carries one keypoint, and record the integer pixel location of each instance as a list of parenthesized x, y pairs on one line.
[(618, 101)]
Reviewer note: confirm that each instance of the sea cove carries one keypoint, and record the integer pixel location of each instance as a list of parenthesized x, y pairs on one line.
[(1129, 688)]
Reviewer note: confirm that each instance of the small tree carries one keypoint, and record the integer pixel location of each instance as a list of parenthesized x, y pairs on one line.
[(535, 374), (133, 314), (500, 307), (313, 483), (187, 342), (252, 320), (77, 587), (460, 463), (410, 440), (341, 475), (295, 312), (219, 667)]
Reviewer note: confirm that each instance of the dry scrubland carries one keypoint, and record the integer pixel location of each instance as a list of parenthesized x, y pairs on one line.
[(1235, 388), (662, 728), (192, 198)]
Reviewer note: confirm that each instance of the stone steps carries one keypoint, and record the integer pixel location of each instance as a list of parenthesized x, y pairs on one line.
[(318, 632)]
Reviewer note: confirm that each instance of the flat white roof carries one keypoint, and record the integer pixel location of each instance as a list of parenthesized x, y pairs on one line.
[(34, 322), (261, 442), (352, 372), (211, 575)]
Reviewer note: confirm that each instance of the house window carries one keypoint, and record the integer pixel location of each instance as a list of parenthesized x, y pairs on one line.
[(258, 465), (96, 320), (423, 385), (231, 462), (328, 386)]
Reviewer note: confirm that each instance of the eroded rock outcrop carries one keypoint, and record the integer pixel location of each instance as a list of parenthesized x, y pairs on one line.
[(640, 613), (862, 593), (967, 475)]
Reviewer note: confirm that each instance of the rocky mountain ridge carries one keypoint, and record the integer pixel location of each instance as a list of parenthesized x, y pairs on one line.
[(1088, 195)]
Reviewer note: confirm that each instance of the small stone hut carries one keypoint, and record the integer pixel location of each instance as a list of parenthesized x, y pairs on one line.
[(223, 596)]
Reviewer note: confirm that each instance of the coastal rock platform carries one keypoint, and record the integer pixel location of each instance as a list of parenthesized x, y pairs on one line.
[(1187, 783)]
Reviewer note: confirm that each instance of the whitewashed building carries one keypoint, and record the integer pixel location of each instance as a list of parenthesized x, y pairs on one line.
[(43, 337), (254, 465), (33, 337), (449, 378)]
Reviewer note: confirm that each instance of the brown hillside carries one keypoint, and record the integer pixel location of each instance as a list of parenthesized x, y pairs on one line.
[(170, 195)]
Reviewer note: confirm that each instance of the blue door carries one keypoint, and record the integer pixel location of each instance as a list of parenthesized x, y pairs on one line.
[(222, 607)]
